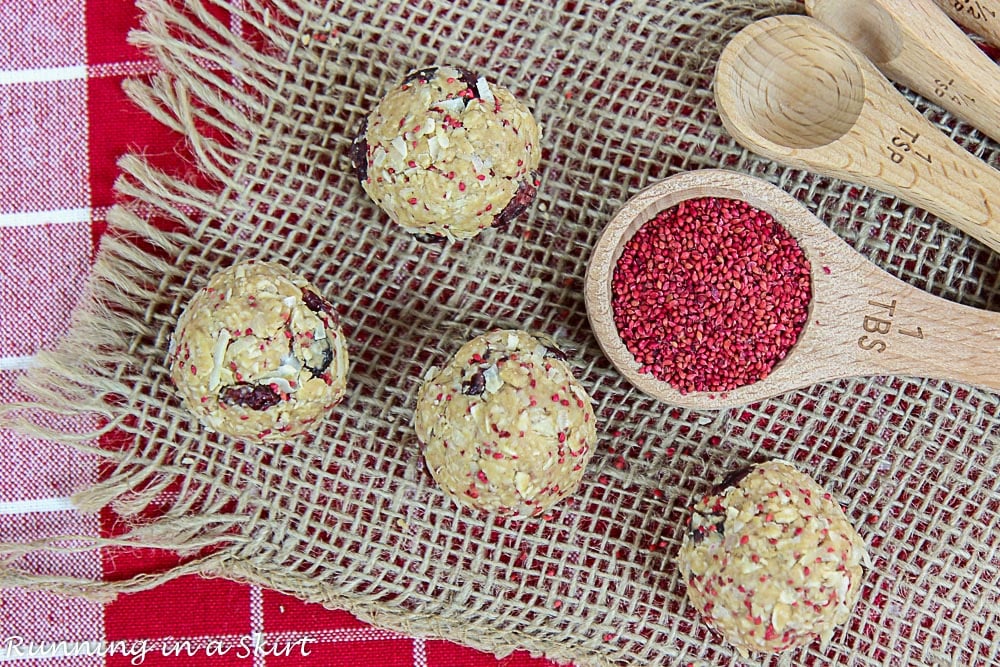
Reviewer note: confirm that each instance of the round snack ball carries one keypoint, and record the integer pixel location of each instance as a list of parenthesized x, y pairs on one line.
[(447, 154), (771, 561), (505, 425), (258, 353)]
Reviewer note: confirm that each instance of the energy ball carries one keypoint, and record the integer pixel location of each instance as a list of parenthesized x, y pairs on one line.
[(258, 353), (771, 561), (505, 426), (447, 154)]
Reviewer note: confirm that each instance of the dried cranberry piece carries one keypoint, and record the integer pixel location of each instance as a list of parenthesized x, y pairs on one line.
[(519, 203), (731, 480), (313, 301), (358, 152), (425, 74), (476, 385), (252, 396), (470, 80), (555, 353), (318, 304), (430, 239)]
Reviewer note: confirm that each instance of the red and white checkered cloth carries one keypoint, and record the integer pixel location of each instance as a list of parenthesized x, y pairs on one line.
[(64, 120)]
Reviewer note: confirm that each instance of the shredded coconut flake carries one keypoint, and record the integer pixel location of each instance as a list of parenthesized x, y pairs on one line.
[(454, 105), (492, 377), (399, 144), (218, 356), (477, 163), (290, 366), (484, 91)]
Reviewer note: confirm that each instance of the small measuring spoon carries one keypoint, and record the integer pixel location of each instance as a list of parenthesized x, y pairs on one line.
[(980, 16), (915, 44), (790, 89), (862, 321)]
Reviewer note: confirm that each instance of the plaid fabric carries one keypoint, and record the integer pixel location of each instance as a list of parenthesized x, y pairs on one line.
[(64, 121)]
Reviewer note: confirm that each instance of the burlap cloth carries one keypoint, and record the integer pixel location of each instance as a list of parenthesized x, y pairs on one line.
[(350, 516)]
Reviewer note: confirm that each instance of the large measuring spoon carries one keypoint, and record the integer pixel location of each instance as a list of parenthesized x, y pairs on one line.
[(790, 89), (862, 321), (915, 44)]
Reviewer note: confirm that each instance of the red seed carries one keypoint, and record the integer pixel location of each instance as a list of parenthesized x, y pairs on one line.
[(710, 295)]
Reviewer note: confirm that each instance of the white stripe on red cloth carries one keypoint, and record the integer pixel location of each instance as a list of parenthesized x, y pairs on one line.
[(17, 363), (37, 75), (57, 217), (73, 72), (257, 618), (36, 505), (419, 652)]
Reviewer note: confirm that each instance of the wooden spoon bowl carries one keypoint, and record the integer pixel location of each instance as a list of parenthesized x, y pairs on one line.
[(862, 321), (790, 89)]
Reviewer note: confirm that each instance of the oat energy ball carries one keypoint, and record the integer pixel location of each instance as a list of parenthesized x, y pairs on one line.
[(258, 353), (505, 425), (771, 561), (447, 154)]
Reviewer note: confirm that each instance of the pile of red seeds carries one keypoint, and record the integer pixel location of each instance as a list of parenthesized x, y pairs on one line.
[(709, 295)]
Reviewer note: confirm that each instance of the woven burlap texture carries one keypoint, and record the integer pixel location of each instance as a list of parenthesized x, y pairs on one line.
[(269, 98)]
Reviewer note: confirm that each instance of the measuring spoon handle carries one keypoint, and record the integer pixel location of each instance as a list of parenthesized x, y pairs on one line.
[(914, 43), (902, 330), (980, 16), (899, 151)]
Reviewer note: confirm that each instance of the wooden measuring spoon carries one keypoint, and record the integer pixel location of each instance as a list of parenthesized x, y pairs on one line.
[(980, 16), (915, 44), (862, 321), (790, 89)]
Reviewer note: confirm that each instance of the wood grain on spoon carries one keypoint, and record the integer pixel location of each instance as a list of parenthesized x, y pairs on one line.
[(915, 44), (980, 16)]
